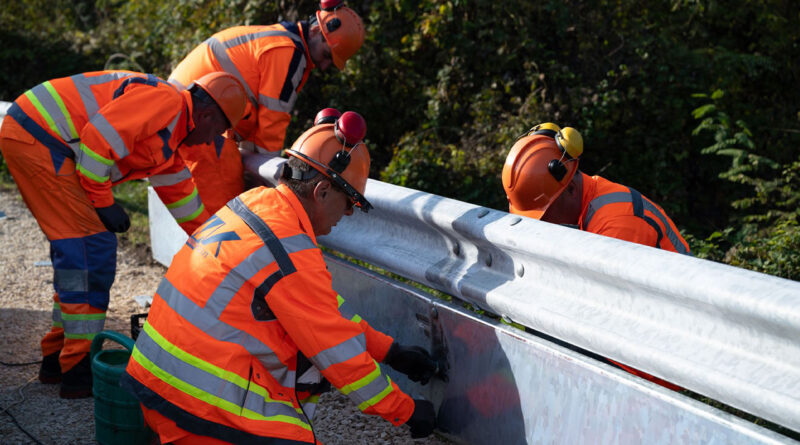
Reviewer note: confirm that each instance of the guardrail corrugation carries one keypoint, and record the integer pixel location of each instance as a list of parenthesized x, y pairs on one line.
[(724, 332)]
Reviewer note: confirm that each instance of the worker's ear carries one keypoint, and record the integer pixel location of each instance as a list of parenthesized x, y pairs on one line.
[(322, 191)]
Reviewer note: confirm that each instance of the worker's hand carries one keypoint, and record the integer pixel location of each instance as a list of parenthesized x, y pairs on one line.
[(413, 361), (423, 421), (114, 218)]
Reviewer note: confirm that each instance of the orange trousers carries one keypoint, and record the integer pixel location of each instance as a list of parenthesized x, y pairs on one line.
[(82, 251)]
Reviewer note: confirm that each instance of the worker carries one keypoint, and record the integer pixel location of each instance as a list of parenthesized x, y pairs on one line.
[(273, 62), (542, 181), (66, 142), (245, 330)]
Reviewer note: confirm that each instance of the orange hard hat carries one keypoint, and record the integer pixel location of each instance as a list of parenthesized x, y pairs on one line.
[(342, 29), (227, 92), (539, 167), (337, 151)]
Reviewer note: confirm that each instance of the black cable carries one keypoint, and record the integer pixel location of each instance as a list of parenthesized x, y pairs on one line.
[(13, 419), (21, 364)]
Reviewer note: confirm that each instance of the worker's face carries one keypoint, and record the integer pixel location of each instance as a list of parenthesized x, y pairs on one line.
[(566, 209), (333, 204), (319, 50), (208, 124)]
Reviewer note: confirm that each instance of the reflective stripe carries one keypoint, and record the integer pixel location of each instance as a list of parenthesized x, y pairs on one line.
[(51, 107), (92, 165), (187, 208), (81, 325), (210, 383), (71, 280), (110, 134), (625, 197), (170, 179), (288, 95), (346, 312), (248, 268), (177, 84), (671, 235), (115, 175), (221, 54), (57, 315), (342, 352), (370, 389), (223, 332), (244, 38), (84, 83), (260, 228)]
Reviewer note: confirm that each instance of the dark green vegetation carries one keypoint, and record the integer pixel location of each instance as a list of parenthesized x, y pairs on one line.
[(692, 102)]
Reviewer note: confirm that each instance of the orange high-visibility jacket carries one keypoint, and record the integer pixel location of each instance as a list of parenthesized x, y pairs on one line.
[(621, 212), (273, 64), (244, 311), (117, 126)]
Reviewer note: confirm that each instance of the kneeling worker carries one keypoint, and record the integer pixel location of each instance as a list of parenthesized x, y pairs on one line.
[(542, 181), (245, 331)]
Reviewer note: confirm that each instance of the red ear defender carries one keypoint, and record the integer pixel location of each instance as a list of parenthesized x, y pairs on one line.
[(327, 116), (330, 5), (350, 128)]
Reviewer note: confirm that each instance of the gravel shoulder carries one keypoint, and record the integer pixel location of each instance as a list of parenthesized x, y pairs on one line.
[(25, 315)]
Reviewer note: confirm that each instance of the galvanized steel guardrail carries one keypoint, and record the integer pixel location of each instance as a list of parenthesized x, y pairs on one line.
[(724, 332)]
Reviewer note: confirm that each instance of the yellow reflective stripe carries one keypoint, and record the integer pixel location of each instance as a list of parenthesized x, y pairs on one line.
[(356, 318), (184, 200), (362, 382), (378, 397), (340, 300), (92, 176), (67, 116), (42, 111), (100, 316), (80, 336), (96, 156), (217, 371), (193, 215), (58, 324)]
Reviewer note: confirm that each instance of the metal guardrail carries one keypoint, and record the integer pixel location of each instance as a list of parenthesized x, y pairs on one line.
[(724, 332)]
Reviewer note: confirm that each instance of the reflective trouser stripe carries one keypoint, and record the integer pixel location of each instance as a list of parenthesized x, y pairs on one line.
[(57, 315), (83, 325)]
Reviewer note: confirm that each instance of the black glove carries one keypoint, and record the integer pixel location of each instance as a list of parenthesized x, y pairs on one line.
[(423, 421), (413, 361), (114, 218)]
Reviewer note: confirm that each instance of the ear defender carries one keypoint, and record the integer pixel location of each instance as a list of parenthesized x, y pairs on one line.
[(350, 128), (568, 140)]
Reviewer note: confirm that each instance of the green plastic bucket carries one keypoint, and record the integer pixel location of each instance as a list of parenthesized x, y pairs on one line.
[(117, 414)]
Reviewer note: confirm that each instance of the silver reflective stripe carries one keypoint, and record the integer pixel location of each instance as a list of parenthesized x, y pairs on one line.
[(110, 134), (56, 314), (625, 197), (180, 213), (372, 389), (673, 238), (171, 178), (71, 280), (210, 383), (220, 53), (600, 201), (221, 331), (279, 105), (340, 353), (56, 113), (115, 174), (72, 327), (242, 39), (84, 84), (310, 408), (87, 162), (177, 84), (250, 266), (346, 311)]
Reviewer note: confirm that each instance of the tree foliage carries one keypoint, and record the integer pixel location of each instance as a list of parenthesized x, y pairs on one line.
[(448, 85)]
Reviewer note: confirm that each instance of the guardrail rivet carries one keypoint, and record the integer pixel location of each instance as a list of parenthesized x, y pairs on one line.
[(456, 249), (520, 270), (489, 260), (515, 221), (482, 213)]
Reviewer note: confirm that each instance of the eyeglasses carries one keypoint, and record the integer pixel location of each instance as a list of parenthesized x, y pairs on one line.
[(350, 201)]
